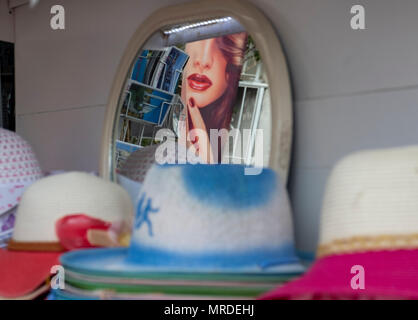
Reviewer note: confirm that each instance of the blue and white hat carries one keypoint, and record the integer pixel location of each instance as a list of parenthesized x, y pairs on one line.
[(203, 218)]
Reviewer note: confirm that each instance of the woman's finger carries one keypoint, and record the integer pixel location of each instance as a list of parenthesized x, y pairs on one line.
[(195, 115), (198, 135)]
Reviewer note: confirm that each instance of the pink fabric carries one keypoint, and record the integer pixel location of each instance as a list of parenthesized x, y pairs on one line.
[(387, 274)]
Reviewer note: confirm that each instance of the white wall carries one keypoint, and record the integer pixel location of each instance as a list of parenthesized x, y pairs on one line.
[(63, 77), (6, 23), (352, 89)]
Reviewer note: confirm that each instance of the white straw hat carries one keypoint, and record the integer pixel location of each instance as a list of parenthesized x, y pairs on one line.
[(371, 202), (77, 199), (368, 246), (18, 168), (54, 197)]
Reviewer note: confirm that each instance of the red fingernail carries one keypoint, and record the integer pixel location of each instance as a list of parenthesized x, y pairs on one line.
[(195, 139), (191, 102)]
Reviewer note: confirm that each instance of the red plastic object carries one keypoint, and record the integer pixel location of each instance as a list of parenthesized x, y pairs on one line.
[(72, 230)]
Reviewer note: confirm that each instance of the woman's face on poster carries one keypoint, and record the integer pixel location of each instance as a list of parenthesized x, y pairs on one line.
[(204, 77)]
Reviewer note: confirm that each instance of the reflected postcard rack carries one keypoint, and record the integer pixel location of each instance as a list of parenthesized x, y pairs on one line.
[(149, 98)]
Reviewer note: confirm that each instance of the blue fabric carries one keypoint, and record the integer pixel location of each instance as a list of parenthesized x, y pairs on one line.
[(227, 186), (121, 262), (259, 258)]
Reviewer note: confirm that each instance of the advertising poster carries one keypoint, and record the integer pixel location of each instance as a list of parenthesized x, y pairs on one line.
[(209, 88)]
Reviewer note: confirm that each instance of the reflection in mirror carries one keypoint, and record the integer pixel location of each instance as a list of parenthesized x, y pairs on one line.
[(204, 83)]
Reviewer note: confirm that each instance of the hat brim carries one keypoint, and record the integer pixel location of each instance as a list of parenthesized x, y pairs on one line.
[(113, 262), (23, 272), (387, 275)]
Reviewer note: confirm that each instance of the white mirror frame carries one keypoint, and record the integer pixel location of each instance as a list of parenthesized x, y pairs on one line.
[(268, 44)]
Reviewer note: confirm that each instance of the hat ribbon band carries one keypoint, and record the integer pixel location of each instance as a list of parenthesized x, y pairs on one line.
[(368, 243), (34, 246)]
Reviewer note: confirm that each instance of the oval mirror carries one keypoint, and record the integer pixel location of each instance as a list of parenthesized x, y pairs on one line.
[(208, 75)]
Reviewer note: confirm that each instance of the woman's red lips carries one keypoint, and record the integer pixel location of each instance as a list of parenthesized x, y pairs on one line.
[(199, 82)]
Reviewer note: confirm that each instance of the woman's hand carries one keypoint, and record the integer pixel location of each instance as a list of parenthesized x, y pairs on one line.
[(198, 136)]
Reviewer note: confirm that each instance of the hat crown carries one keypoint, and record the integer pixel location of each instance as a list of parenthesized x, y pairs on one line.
[(18, 169), (211, 216), (54, 197), (371, 202)]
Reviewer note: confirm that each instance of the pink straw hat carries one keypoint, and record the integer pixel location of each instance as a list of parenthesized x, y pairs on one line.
[(368, 246)]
